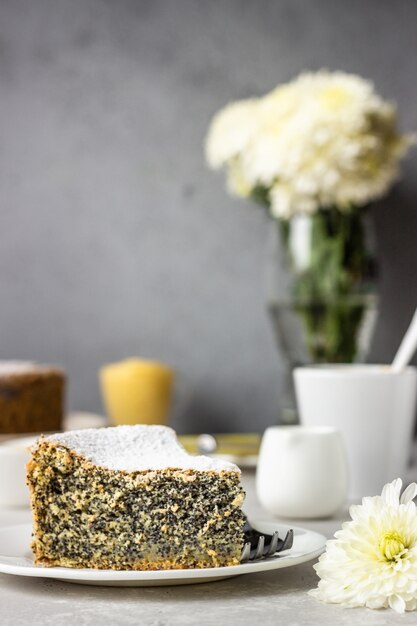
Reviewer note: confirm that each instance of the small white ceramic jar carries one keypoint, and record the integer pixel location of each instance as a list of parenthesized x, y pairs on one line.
[(302, 472)]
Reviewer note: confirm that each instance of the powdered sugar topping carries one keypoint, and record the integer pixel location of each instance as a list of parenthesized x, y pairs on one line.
[(136, 448), (16, 367)]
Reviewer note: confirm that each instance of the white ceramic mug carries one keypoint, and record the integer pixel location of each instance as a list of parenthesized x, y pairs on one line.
[(302, 472), (14, 455), (374, 409)]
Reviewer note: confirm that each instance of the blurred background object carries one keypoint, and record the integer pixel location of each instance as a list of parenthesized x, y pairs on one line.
[(32, 397), (116, 240), (137, 391), (14, 456)]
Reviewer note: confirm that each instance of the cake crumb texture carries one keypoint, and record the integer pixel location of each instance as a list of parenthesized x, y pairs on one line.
[(92, 516)]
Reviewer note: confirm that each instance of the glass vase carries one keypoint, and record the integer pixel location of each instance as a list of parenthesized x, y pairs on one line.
[(322, 293)]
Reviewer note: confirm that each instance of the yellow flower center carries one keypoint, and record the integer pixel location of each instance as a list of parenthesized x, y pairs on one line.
[(392, 545), (335, 97)]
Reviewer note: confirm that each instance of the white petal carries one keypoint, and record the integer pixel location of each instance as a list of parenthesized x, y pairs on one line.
[(354, 511), (397, 603), (409, 494), (376, 603), (391, 492)]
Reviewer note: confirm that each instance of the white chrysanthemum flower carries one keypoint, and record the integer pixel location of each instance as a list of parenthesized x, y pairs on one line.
[(231, 131), (372, 561), (324, 140)]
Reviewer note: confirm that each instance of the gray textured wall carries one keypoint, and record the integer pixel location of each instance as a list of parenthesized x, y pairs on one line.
[(114, 237)]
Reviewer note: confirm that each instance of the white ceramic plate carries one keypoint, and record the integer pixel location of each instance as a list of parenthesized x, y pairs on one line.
[(16, 558)]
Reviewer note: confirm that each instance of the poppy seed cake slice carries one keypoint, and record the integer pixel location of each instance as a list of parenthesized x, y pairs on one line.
[(130, 497)]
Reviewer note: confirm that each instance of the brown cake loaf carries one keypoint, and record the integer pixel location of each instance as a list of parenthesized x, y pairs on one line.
[(31, 397)]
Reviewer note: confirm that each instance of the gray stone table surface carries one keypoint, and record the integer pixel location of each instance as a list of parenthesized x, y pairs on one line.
[(277, 597)]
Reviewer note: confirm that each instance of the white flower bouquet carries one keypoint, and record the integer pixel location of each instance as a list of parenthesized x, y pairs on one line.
[(324, 140), (315, 152)]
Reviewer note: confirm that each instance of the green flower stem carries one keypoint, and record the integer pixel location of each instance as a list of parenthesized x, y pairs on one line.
[(328, 295)]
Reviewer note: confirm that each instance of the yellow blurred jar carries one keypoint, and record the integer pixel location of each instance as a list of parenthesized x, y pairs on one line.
[(137, 391)]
